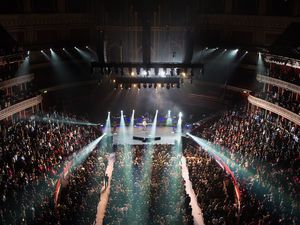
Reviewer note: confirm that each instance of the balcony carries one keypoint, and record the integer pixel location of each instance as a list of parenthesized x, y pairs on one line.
[(293, 117), (279, 83), (11, 110), (16, 81)]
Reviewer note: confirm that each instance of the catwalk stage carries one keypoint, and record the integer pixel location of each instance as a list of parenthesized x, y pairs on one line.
[(167, 135)]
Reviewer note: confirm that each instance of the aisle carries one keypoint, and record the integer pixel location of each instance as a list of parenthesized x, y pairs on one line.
[(105, 192), (196, 210)]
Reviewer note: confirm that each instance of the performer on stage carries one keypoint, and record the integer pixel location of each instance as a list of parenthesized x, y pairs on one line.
[(144, 124)]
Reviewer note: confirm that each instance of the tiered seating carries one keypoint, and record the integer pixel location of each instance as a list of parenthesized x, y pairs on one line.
[(17, 95), (286, 100), (265, 158), (33, 153), (286, 73)]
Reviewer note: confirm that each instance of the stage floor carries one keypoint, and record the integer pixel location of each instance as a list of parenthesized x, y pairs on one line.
[(167, 134)]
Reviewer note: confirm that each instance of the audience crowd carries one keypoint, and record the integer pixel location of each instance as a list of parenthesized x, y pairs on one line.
[(213, 187), (80, 198), (147, 187), (32, 156), (264, 156)]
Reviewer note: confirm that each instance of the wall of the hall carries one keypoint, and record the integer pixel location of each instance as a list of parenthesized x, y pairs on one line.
[(66, 23), (60, 22)]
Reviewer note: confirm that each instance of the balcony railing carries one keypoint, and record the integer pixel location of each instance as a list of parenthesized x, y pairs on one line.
[(275, 109), (279, 83), (20, 107), (16, 81)]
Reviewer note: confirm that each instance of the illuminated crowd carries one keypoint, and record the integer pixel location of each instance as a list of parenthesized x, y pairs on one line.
[(33, 154), (264, 154), (79, 200), (153, 192), (213, 187)]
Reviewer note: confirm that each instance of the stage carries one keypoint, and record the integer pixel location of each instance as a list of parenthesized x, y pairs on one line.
[(167, 135)]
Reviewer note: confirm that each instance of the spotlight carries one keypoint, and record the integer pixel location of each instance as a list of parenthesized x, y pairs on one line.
[(183, 74), (28, 52), (51, 49), (42, 51), (64, 49), (134, 85), (246, 52), (86, 46), (132, 74), (180, 114), (159, 85)]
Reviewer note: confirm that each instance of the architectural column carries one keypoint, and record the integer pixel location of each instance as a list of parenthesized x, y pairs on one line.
[(27, 6), (155, 30), (262, 8), (296, 8), (61, 6), (136, 36), (228, 6)]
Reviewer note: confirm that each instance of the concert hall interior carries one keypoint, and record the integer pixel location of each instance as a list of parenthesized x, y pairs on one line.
[(149, 112)]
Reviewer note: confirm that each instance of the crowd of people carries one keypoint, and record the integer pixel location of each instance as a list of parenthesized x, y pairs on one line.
[(286, 100), (264, 155), (33, 154), (147, 187), (17, 95), (79, 199), (286, 73), (213, 187)]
